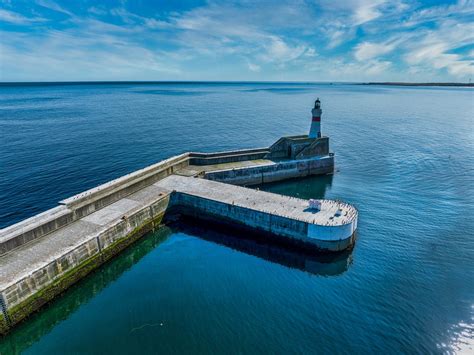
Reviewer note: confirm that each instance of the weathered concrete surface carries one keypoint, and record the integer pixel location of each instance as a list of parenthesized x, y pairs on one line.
[(261, 165), (296, 147), (328, 228), (36, 272), (42, 256), (34, 227), (270, 171), (206, 159), (85, 203), (200, 170)]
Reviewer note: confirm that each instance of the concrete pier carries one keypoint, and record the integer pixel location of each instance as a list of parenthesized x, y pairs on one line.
[(330, 228), (43, 255)]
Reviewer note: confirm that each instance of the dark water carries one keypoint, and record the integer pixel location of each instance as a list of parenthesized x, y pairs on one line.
[(404, 158)]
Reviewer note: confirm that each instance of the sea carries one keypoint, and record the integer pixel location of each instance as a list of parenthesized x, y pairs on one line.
[(404, 157)]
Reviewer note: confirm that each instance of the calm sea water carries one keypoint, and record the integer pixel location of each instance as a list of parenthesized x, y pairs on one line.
[(404, 158)]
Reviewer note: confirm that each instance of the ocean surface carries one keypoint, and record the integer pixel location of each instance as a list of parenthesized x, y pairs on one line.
[(404, 158)]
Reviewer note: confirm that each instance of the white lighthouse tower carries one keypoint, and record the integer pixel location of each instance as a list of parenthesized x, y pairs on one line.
[(315, 130)]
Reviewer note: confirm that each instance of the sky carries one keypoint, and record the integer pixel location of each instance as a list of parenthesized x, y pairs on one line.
[(318, 40)]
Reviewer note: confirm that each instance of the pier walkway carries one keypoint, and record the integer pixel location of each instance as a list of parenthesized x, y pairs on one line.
[(77, 241), (278, 214), (331, 213), (42, 256)]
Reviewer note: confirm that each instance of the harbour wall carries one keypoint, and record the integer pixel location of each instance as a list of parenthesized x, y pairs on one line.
[(63, 268), (284, 230), (50, 277), (53, 277), (18, 342), (282, 170), (275, 229), (202, 159), (87, 202), (199, 207), (330, 228)]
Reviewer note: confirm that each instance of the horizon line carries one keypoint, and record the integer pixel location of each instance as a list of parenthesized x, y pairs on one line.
[(81, 82)]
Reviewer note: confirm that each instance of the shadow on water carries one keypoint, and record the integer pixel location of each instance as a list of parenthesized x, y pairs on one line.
[(29, 332), (41, 323), (258, 244), (305, 188)]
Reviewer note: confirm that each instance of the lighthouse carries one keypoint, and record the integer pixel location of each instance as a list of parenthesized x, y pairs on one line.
[(315, 130)]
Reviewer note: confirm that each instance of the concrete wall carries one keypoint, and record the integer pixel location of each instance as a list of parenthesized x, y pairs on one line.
[(298, 147), (87, 202), (34, 227), (273, 172), (48, 280), (30, 334), (46, 274), (78, 206), (285, 147), (333, 238), (318, 147), (57, 273), (227, 157), (294, 232), (198, 207), (105, 194)]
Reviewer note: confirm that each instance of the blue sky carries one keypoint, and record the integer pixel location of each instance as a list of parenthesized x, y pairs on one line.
[(319, 40)]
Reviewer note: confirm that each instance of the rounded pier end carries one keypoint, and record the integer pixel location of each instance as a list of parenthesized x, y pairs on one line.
[(333, 226)]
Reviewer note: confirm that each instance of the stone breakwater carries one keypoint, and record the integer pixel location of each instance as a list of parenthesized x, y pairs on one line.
[(43, 255)]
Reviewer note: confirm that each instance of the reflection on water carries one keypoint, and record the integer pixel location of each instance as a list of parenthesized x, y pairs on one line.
[(410, 288), (257, 245), (306, 188), (40, 324)]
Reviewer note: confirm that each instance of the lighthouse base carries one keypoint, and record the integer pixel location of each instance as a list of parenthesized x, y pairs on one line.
[(299, 147)]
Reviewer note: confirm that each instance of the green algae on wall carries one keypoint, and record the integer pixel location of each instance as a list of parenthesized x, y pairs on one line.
[(25, 334), (36, 301)]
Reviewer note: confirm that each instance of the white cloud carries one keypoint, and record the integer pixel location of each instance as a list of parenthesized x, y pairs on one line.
[(310, 52), (358, 12), (368, 50), (279, 51), (156, 24), (377, 67), (337, 35), (436, 48), (253, 67), (343, 18), (96, 10), (17, 19), (340, 69), (248, 30), (462, 8), (367, 10), (80, 55), (437, 56), (264, 36), (49, 4)]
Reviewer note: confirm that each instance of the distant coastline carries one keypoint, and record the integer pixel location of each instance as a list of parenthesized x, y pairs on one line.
[(167, 82), (419, 84)]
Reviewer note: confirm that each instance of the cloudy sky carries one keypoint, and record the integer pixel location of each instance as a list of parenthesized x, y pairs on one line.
[(318, 40)]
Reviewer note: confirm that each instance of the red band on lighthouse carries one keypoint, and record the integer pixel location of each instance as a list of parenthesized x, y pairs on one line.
[(316, 119)]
